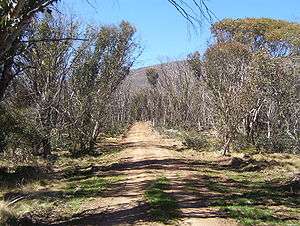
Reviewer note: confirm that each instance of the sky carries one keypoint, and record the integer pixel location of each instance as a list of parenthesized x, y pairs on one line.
[(164, 34)]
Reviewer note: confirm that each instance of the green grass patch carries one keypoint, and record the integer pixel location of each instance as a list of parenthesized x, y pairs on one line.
[(191, 187), (216, 186), (60, 208), (255, 215), (91, 186), (67, 197), (163, 207), (251, 197), (196, 141)]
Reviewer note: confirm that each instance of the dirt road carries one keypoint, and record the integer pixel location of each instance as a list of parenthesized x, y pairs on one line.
[(146, 156)]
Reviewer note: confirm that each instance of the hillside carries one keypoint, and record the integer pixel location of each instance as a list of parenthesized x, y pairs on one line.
[(137, 77)]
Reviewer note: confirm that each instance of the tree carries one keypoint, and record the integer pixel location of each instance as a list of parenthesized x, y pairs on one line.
[(278, 37), (46, 67), (194, 11), (226, 77), (15, 16), (273, 121), (152, 76), (95, 78)]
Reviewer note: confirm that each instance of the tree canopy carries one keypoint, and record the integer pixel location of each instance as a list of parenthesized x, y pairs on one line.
[(278, 37)]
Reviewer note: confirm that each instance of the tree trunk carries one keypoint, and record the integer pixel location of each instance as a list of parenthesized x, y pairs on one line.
[(226, 146), (46, 148), (6, 77)]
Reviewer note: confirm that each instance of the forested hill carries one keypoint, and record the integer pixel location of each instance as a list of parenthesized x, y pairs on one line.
[(137, 78)]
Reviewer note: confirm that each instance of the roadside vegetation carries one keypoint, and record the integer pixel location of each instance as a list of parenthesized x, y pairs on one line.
[(61, 191), (261, 190), (66, 103)]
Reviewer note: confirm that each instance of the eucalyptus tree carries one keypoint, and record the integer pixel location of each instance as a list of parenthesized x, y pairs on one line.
[(277, 37), (275, 122), (227, 80), (181, 96), (95, 78), (41, 84), (248, 75), (273, 43), (15, 16), (174, 98)]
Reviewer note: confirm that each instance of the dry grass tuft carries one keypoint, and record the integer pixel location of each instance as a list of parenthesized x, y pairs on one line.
[(8, 215)]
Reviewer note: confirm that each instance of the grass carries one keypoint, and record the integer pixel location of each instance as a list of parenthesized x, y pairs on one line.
[(163, 207), (50, 208), (91, 186), (258, 197), (8, 215), (65, 192), (195, 141), (249, 216), (250, 200), (251, 197), (66, 198), (216, 186)]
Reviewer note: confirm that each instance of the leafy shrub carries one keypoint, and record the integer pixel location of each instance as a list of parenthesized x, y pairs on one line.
[(279, 143), (77, 153), (197, 142), (6, 127), (116, 130)]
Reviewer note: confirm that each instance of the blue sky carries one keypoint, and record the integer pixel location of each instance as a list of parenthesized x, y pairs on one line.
[(162, 32)]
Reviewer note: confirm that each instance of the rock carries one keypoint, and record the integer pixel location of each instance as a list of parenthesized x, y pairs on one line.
[(246, 156), (236, 162)]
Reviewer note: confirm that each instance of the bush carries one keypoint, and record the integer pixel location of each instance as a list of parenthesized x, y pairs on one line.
[(8, 216), (116, 130), (7, 124), (279, 143), (77, 153), (196, 142)]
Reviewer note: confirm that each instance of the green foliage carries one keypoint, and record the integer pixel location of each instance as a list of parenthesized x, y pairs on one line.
[(7, 125), (281, 37), (251, 87), (228, 84), (195, 141), (90, 187), (249, 215), (163, 206), (98, 72), (15, 132), (152, 76)]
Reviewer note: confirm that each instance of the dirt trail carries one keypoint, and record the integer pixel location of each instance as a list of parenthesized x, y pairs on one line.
[(146, 156)]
